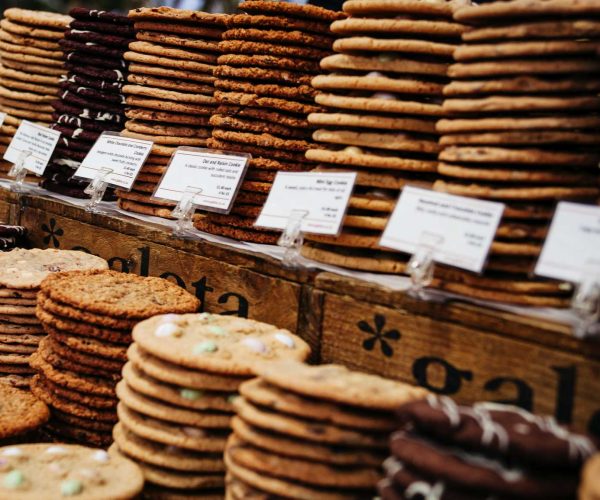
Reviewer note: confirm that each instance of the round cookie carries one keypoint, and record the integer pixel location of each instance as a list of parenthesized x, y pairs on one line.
[(171, 373), (430, 28), (170, 106), (177, 41), (197, 31), (171, 84), (166, 117), (89, 346), (524, 49), (390, 46), (92, 401), (590, 485), (262, 74), (164, 456), (271, 49), (169, 95), (189, 438), (313, 12), (169, 413), (358, 8), (299, 92), (295, 469), (180, 64), (556, 28), (294, 37), (268, 61), (87, 471), (379, 102), (217, 343), (337, 383), (564, 122), (356, 156), (103, 365), (138, 297), (370, 121), (521, 85), (259, 21), (150, 128), (310, 430), (172, 52), (178, 396), (20, 412), (26, 41), (38, 18), (376, 80), (271, 116)]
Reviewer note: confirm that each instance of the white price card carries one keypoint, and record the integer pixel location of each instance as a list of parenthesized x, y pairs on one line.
[(212, 177), (459, 230), (572, 247), (123, 156), (35, 144), (323, 196)]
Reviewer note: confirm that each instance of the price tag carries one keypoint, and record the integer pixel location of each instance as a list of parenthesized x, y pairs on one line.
[(323, 196), (124, 156), (460, 230), (572, 247), (213, 177), (36, 140)]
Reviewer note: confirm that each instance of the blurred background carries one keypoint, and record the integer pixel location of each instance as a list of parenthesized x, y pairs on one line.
[(122, 5)]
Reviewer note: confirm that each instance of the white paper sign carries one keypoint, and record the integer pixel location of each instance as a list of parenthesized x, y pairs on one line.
[(460, 230), (324, 196), (123, 155), (38, 141), (572, 247), (213, 177)]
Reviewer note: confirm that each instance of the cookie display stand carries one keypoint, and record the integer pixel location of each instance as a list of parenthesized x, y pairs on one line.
[(468, 350)]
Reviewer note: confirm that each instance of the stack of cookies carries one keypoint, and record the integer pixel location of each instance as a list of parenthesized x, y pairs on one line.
[(382, 97), (176, 397), (487, 450), (21, 414), (88, 316), (12, 237), (21, 273), (50, 471), (169, 92), (311, 432), (90, 100), (31, 65), (522, 128), (263, 89)]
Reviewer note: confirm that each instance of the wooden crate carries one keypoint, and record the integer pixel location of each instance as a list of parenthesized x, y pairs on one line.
[(9, 203), (469, 352)]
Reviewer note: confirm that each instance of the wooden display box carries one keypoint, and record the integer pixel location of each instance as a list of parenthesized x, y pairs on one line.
[(469, 352), (9, 206)]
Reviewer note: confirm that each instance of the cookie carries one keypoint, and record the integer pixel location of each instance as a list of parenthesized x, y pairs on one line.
[(168, 95), (177, 41), (358, 8), (171, 52), (84, 14), (27, 41), (523, 49), (178, 396), (197, 31), (72, 380), (262, 7), (281, 487), (38, 18), (84, 329), (285, 445), (271, 49), (97, 26), (151, 128), (22, 340), (33, 51), (472, 14), (198, 342), (170, 14), (16, 348), (260, 151), (166, 117), (295, 469), (372, 122), (590, 487), (284, 105), (300, 428), (517, 104), (258, 392), (259, 21), (21, 412), (145, 208), (12, 329), (299, 92), (337, 383), (89, 346), (138, 296), (160, 455), (95, 50), (66, 420), (170, 106), (439, 30), (557, 28), (256, 126), (169, 413), (397, 142), (268, 115), (111, 75), (189, 438), (523, 67), (520, 156), (534, 137), (179, 64), (113, 477), (110, 63), (92, 401), (379, 102), (87, 36), (558, 122), (378, 81), (262, 140), (294, 37), (269, 61), (262, 74), (390, 46), (522, 85), (105, 365), (356, 156), (171, 373), (170, 84)]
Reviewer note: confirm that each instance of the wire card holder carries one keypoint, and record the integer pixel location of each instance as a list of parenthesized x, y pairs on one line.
[(421, 265), (292, 238), (96, 190), (586, 302), (18, 172), (184, 211)]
